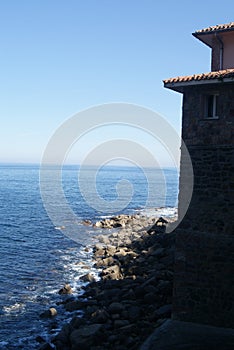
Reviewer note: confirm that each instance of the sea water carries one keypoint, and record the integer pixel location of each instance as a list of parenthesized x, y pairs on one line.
[(37, 258)]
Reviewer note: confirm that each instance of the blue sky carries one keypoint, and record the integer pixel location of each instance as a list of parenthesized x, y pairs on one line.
[(60, 57)]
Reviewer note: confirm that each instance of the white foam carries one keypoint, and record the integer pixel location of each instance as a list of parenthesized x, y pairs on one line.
[(14, 308), (157, 212), (59, 228)]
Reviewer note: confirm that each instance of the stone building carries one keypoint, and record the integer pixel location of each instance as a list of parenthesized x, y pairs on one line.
[(204, 275)]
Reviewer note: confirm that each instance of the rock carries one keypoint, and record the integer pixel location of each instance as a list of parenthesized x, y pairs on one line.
[(161, 220), (110, 250), (86, 222), (99, 253), (117, 224), (120, 223), (74, 305), (129, 295), (139, 292), (150, 298), (107, 261), (115, 308), (98, 246), (135, 290), (164, 311), (112, 338), (82, 338), (110, 294), (61, 340), (77, 322), (99, 250), (159, 226), (98, 224), (112, 272), (121, 323), (82, 265), (104, 239), (53, 312), (158, 252), (120, 252), (49, 313), (66, 289), (100, 316), (127, 241), (114, 235), (88, 277), (164, 286)]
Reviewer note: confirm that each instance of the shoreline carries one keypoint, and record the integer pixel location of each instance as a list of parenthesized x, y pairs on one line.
[(135, 258)]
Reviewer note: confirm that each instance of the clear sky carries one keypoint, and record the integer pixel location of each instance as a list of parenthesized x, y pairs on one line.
[(59, 57)]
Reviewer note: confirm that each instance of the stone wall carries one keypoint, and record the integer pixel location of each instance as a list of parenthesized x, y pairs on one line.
[(203, 286), (210, 143), (204, 278), (212, 205), (198, 130)]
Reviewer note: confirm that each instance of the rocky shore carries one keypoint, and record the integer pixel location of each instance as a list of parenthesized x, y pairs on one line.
[(135, 256)]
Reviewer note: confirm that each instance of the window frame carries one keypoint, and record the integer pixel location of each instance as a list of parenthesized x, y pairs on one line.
[(207, 105)]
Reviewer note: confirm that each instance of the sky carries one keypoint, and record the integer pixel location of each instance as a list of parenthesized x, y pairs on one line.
[(60, 57)]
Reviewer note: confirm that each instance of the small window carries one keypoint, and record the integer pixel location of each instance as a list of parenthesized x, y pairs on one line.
[(211, 103)]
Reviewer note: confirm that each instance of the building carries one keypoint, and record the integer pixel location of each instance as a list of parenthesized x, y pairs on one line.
[(204, 275)]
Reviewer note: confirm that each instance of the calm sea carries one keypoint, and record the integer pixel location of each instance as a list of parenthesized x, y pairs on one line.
[(37, 258)]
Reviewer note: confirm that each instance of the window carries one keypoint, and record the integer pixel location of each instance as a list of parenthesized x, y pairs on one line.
[(211, 103)]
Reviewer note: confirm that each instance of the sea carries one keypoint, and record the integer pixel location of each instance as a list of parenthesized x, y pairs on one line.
[(38, 256)]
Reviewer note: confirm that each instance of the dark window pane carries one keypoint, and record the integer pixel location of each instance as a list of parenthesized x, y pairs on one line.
[(210, 106)]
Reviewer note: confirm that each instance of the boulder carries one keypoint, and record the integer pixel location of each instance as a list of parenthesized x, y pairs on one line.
[(98, 224), (74, 305), (104, 239), (61, 340), (107, 261), (158, 252), (110, 250), (86, 222), (88, 277), (164, 311), (66, 289), (100, 316), (115, 308), (121, 323), (112, 272), (49, 313), (159, 226), (99, 250), (83, 338)]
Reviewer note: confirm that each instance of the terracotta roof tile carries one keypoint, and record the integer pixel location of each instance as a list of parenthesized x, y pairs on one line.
[(226, 73), (216, 28)]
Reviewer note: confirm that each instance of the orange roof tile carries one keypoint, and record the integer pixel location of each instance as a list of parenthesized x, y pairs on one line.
[(219, 27), (226, 73)]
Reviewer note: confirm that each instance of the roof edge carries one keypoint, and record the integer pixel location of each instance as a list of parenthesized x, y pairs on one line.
[(179, 86), (197, 33), (217, 28)]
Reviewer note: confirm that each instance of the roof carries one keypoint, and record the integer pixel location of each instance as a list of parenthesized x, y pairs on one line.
[(206, 34), (211, 77), (218, 27)]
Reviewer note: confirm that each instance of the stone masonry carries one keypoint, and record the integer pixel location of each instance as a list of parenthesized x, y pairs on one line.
[(204, 261), (204, 270)]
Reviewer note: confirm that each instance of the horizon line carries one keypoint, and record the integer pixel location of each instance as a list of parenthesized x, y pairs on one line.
[(39, 164)]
